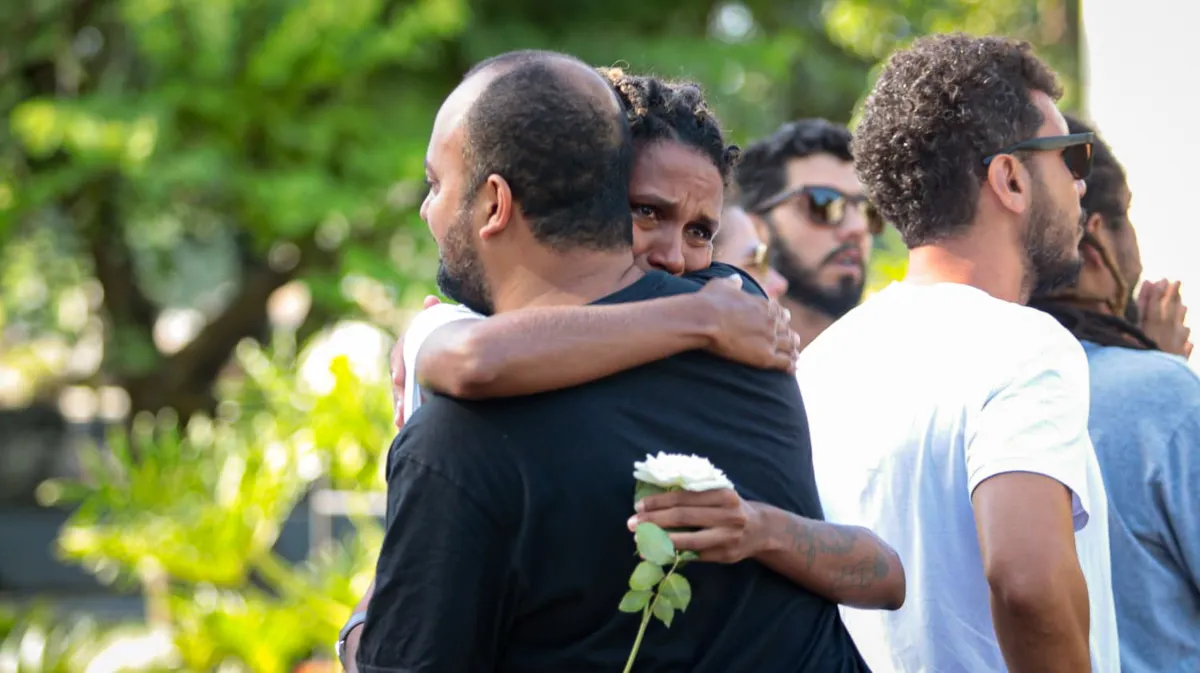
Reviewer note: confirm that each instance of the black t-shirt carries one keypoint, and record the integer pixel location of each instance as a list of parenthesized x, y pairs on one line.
[(507, 547)]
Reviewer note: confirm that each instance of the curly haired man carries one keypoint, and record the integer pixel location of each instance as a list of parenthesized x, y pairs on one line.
[(976, 463)]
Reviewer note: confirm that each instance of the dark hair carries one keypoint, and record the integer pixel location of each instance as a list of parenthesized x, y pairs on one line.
[(938, 109), (1107, 188), (658, 109), (762, 173), (566, 154)]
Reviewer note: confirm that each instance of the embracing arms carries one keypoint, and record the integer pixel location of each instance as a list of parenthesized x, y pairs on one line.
[(541, 349)]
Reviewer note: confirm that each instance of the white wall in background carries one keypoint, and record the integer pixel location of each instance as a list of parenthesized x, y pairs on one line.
[(1141, 91)]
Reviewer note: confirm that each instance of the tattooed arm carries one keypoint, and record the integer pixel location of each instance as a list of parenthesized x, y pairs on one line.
[(846, 564)]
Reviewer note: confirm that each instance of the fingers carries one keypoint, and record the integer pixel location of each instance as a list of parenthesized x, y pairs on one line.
[(722, 497), (1143, 299), (1187, 350), (1171, 301), (713, 544), (1150, 301), (431, 300), (691, 517)]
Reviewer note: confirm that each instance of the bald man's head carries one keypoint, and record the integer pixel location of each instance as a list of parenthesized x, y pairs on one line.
[(553, 129)]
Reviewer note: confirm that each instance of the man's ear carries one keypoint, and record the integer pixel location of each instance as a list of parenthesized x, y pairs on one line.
[(1011, 182), (496, 200)]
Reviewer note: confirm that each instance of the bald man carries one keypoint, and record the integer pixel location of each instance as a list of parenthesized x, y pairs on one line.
[(506, 546)]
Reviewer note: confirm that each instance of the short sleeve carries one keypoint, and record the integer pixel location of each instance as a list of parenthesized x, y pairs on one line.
[(1036, 421), (425, 323)]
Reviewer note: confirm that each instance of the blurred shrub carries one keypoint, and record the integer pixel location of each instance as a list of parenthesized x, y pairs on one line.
[(190, 518)]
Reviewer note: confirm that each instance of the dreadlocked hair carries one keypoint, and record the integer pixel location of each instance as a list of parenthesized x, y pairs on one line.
[(659, 109), (1106, 184)]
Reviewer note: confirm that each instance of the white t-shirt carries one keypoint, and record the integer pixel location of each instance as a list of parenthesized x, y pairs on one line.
[(913, 399), (422, 325)]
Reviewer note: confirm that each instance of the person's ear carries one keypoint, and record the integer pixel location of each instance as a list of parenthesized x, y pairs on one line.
[(1010, 180), (496, 200)]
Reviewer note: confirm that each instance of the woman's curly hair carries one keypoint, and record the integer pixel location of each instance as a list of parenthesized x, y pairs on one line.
[(659, 109), (938, 109)]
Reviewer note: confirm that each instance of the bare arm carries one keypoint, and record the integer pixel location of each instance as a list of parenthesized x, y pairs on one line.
[(1039, 596), (548, 348), (846, 564), (349, 663)]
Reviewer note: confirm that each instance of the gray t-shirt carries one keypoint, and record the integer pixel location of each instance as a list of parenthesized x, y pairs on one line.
[(1145, 425)]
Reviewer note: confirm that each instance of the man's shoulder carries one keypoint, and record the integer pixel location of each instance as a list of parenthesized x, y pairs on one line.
[(722, 270), (1143, 381), (449, 432), (1151, 367)]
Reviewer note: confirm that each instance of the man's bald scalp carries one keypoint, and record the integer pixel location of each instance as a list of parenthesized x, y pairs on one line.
[(553, 129)]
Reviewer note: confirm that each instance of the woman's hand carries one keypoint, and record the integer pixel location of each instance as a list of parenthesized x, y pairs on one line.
[(748, 329)]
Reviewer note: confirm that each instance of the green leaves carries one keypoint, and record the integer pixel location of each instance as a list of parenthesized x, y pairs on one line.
[(674, 591), (677, 591), (664, 612), (634, 601), (645, 576), (653, 544)]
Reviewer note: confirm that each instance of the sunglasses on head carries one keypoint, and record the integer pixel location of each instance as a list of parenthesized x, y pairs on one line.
[(1076, 151), (827, 206)]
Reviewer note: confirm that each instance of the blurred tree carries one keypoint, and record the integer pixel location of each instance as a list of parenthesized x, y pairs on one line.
[(168, 165)]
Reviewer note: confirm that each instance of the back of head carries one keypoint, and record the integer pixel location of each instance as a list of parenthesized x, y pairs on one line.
[(762, 172), (662, 110), (1107, 188), (938, 109), (555, 133)]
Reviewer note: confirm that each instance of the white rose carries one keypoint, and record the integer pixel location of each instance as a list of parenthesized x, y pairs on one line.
[(692, 473)]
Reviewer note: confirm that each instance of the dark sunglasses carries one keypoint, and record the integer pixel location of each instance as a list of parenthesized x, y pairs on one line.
[(1076, 151), (827, 206)]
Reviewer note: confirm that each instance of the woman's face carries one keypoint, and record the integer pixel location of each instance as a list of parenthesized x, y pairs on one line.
[(676, 196)]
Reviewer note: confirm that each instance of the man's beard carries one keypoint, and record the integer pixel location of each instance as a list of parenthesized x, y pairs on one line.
[(462, 279), (805, 289), (1051, 246)]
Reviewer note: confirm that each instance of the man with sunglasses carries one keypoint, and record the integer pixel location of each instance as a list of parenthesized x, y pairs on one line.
[(945, 414), (1145, 424), (799, 187)]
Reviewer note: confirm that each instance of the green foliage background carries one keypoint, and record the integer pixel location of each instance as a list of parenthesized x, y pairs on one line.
[(165, 155)]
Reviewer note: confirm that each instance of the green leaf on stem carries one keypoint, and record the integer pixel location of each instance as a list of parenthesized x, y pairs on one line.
[(643, 489), (664, 611), (645, 576), (677, 591), (685, 556), (634, 601), (653, 544)]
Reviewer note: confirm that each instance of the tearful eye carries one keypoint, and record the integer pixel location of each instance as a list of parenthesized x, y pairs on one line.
[(647, 212), (701, 232)]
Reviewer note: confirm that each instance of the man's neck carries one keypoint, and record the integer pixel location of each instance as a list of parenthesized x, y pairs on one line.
[(547, 278), (807, 322), (978, 259)]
